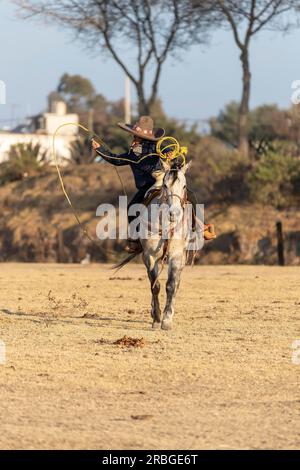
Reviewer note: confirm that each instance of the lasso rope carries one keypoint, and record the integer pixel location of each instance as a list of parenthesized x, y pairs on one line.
[(54, 157), (175, 152)]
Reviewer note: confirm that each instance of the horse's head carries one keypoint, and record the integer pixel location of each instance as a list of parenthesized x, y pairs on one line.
[(174, 190)]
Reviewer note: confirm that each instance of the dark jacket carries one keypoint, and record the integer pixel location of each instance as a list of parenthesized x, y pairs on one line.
[(143, 170)]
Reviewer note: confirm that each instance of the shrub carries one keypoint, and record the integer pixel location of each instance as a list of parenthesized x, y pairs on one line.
[(273, 180), (23, 160), (81, 151), (217, 171)]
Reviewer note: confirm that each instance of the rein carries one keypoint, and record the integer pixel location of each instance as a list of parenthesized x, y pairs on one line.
[(183, 199), (165, 195)]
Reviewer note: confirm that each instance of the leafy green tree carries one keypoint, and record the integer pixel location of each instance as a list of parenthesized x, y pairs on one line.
[(77, 91), (225, 125)]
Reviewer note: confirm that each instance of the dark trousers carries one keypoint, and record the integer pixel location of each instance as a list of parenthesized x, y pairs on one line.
[(138, 198), (192, 199)]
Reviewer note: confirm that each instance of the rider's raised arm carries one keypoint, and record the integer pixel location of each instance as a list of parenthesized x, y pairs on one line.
[(113, 158)]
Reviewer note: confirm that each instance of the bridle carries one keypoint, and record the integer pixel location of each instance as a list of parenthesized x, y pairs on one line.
[(182, 199), (165, 195)]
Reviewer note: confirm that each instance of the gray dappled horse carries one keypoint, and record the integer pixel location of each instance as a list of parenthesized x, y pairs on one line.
[(172, 248)]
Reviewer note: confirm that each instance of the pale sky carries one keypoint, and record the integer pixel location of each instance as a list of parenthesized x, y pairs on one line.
[(197, 86)]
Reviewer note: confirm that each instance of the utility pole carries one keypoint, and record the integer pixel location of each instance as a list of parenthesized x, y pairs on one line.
[(127, 101)]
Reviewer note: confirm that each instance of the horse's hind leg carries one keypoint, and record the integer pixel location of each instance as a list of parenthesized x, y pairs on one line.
[(176, 265), (153, 270)]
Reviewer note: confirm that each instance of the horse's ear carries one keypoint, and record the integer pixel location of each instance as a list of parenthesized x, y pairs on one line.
[(187, 166)]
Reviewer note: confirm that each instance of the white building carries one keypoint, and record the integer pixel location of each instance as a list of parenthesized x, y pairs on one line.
[(40, 129)]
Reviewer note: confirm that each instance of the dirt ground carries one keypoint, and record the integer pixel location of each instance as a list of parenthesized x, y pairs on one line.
[(222, 378)]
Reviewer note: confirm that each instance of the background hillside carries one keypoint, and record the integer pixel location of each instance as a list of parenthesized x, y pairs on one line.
[(244, 195), (37, 224)]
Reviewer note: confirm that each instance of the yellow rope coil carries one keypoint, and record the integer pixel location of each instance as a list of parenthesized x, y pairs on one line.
[(171, 149)]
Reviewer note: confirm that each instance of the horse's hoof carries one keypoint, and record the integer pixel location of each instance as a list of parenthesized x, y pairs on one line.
[(155, 325), (166, 325)]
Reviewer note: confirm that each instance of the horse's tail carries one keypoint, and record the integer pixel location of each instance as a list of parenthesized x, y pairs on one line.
[(127, 260)]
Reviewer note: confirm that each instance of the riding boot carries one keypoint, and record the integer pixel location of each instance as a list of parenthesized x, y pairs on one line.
[(192, 199), (209, 229), (209, 232)]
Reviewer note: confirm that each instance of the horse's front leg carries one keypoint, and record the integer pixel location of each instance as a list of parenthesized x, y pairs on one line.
[(153, 271), (176, 265)]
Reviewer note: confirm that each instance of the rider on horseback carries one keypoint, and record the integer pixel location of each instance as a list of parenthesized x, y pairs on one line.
[(149, 169)]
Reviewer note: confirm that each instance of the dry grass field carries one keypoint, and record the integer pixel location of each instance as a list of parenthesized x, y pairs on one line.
[(222, 378)]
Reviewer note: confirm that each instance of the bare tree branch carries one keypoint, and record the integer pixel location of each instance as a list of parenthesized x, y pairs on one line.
[(251, 16), (152, 29)]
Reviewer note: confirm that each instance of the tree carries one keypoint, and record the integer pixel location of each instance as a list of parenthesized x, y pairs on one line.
[(246, 18), (94, 110), (267, 125), (152, 29), (225, 125), (77, 91)]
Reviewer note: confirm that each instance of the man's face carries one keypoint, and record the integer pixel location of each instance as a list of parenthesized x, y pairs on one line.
[(136, 141), (137, 145)]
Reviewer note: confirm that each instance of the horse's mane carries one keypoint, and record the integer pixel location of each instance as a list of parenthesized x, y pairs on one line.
[(174, 173)]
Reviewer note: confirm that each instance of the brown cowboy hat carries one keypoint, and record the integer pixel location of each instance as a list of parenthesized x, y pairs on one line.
[(144, 129)]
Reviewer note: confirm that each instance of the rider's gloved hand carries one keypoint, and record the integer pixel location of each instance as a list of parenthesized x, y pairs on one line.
[(95, 144)]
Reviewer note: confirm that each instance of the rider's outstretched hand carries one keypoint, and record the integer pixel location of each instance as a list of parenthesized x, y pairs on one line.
[(95, 144)]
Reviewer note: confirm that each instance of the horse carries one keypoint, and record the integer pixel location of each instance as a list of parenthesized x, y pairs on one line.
[(167, 244)]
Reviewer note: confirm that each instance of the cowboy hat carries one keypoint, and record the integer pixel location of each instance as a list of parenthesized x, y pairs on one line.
[(144, 129)]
